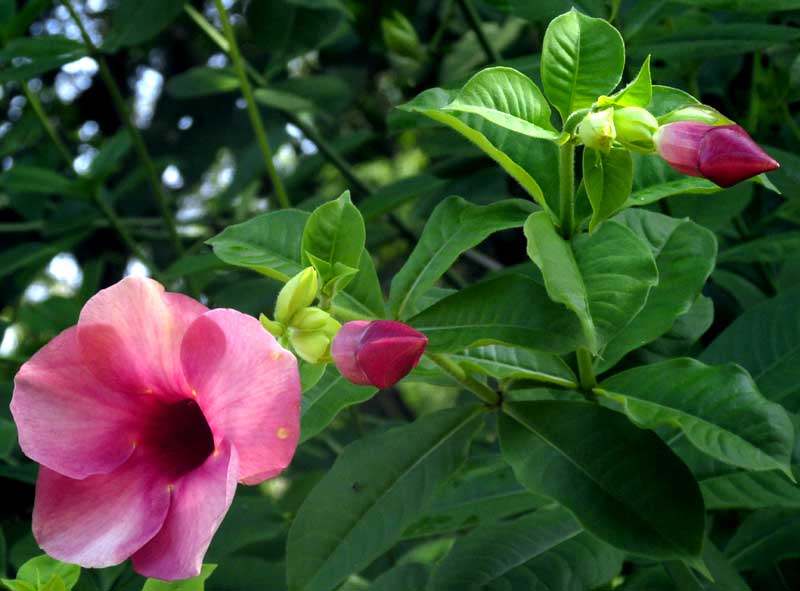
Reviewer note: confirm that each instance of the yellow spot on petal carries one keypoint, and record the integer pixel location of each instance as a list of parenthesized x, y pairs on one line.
[(134, 443), (170, 487), (194, 392), (282, 433), (148, 390), (275, 355), (216, 453)]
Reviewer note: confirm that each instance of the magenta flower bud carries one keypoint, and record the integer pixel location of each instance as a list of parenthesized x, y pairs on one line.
[(723, 154), (378, 353)]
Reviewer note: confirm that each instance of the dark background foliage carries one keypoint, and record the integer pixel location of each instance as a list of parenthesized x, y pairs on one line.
[(80, 211)]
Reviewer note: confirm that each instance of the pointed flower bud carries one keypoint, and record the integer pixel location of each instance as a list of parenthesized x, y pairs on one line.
[(298, 293), (311, 332), (723, 154), (635, 128), (378, 353), (597, 130), (697, 113)]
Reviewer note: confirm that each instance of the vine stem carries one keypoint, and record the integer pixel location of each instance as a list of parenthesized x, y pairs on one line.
[(566, 187), (138, 141), (586, 370), (252, 108), (456, 372), (468, 8), (104, 207)]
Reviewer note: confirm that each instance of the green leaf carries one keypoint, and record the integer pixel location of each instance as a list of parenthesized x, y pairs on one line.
[(764, 538), (22, 178), (582, 58), (765, 340), (15, 585), (719, 409), (656, 192), (202, 81), (362, 297), (111, 155), (520, 156), (464, 319), (403, 577), (283, 101), (334, 235), (483, 491), (775, 248), (507, 98), (268, 243), (723, 575), (136, 21), (744, 5), (562, 278), (608, 179), (505, 363), (28, 57), (454, 227), (330, 395), (38, 571), (362, 505), (543, 548), (622, 483), (639, 91), (194, 584), (618, 271), (750, 490), (684, 254)]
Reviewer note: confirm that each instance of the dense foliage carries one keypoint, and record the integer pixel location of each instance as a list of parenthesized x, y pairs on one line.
[(608, 394)]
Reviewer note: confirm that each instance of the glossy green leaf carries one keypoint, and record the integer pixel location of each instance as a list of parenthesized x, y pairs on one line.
[(684, 254), (775, 248), (136, 21), (268, 243), (202, 81), (750, 490), (194, 584), (639, 91), (765, 537), (723, 575), (334, 235), (330, 395), (719, 409), (533, 163), (483, 491), (608, 179), (547, 548), (463, 319), (562, 277), (765, 340), (658, 191), (362, 505), (454, 227), (507, 98), (401, 578), (40, 570), (362, 297), (501, 362), (27, 57), (622, 483), (745, 5), (582, 58)]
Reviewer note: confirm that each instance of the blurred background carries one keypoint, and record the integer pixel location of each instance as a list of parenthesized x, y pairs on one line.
[(125, 144)]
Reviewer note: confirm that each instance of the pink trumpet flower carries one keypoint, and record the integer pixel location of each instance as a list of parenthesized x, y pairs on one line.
[(378, 353), (144, 417), (723, 154)]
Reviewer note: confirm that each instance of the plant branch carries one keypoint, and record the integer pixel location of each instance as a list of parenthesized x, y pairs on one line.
[(456, 372), (474, 20), (138, 141), (586, 370), (252, 108), (566, 187)]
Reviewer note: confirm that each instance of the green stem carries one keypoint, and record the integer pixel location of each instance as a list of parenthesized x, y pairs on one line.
[(252, 108), (755, 102), (97, 197), (566, 172), (474, 20), (138, 141), (586, 370), (456, 372)]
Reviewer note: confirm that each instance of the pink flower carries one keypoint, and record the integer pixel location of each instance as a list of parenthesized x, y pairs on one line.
[(144, 417), (378, 353), (724, 154)]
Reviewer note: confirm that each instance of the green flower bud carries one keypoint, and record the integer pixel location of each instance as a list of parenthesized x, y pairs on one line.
[(696, 113), (401, 38), (635, 128), (597, 130), (274, 328), (298, 293), (312, 335)]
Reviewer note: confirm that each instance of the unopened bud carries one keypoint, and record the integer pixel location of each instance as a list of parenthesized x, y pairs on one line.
[(378, 353), (597, 130), (311, 333), (635, 128), (298, 293), (696, 113)]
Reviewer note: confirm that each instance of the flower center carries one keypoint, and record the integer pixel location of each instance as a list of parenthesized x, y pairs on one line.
[(180, 436)]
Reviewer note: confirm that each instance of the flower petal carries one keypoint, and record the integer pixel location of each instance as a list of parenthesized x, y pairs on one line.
[(248, 387), (199, 502), (66, 419), (101, 520), (130, 335)]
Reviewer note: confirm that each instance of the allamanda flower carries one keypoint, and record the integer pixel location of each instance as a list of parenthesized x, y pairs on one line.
[(144, 417)]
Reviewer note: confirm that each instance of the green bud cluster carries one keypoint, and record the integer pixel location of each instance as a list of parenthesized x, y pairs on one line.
[(633, 127)]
